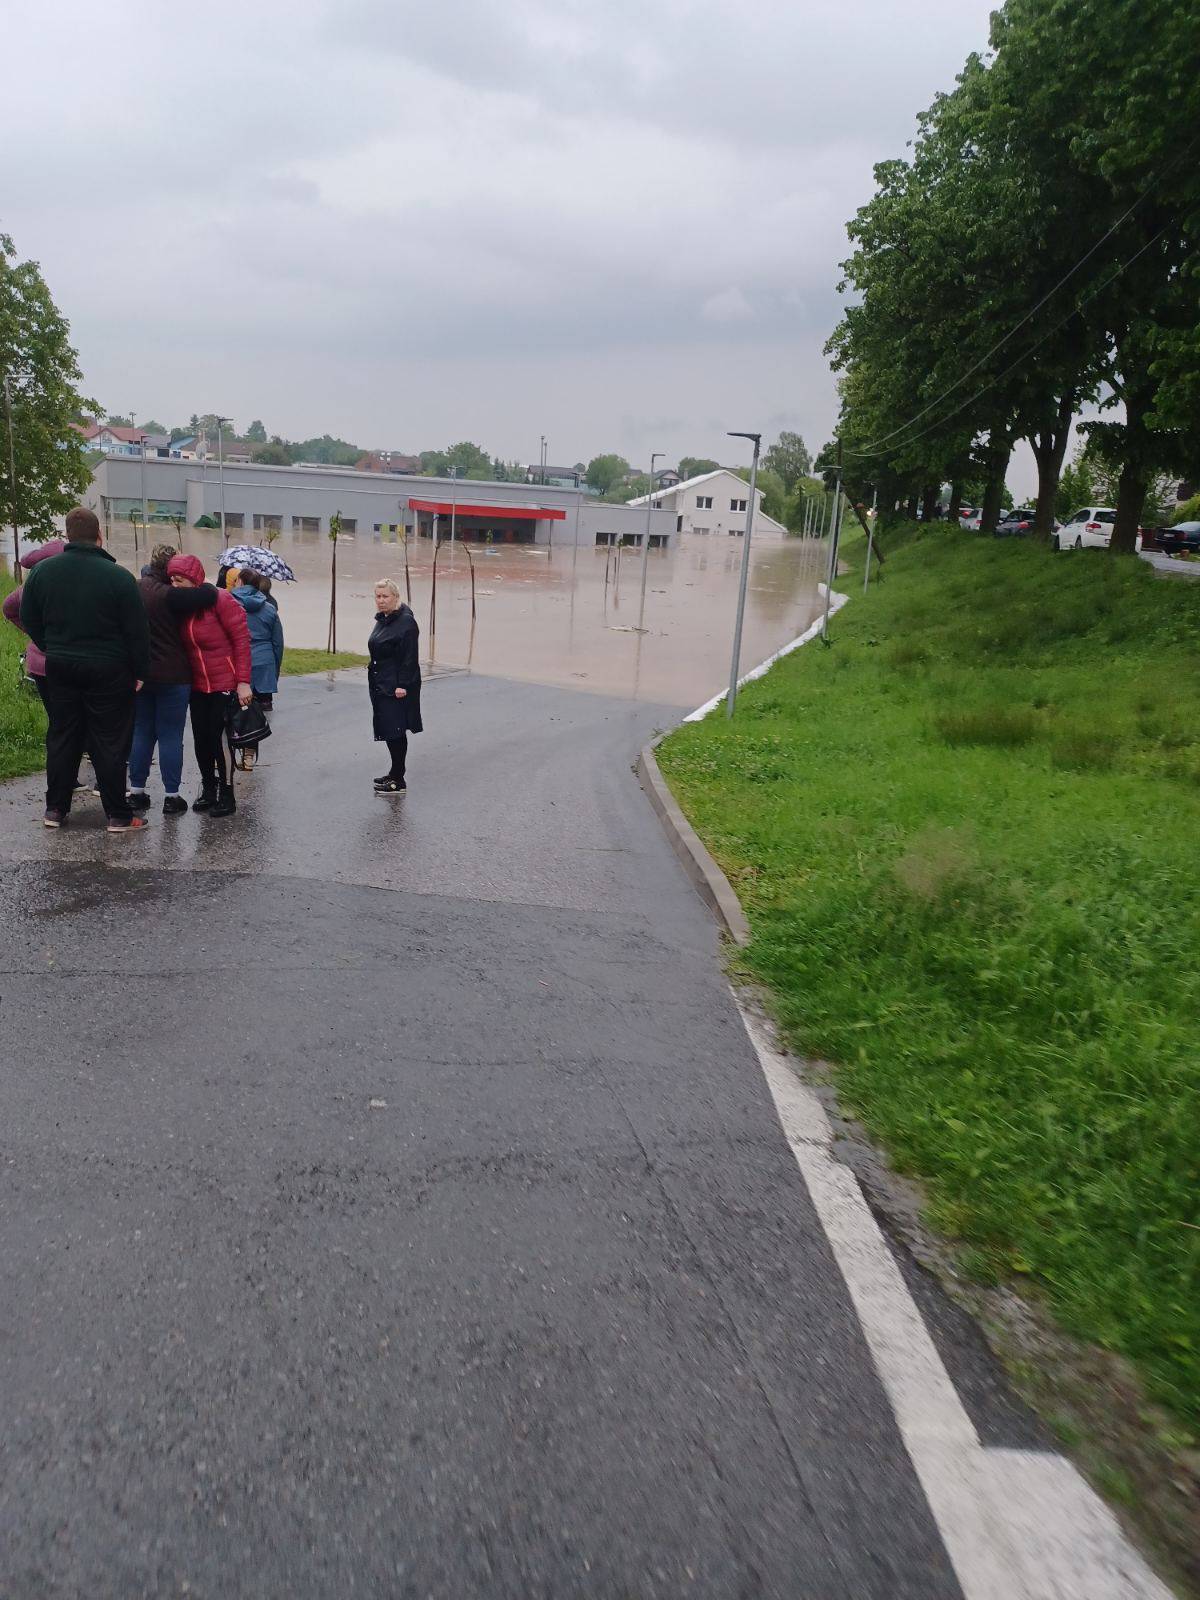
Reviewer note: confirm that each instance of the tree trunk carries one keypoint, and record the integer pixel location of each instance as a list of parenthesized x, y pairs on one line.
[(1049, 446), (1131, 497), (998, 456), (955, 500), (910, 508), (929, 501)]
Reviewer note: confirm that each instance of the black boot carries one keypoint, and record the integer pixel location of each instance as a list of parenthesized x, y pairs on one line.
[(225, 804), (206, 799)]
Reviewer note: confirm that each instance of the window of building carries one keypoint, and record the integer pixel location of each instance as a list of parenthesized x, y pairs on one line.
[(349, 524), (306, 524), (235, 519), (737, 505), (657, 540), (704, 502), (268, 521), (701, 530), (606, 538)]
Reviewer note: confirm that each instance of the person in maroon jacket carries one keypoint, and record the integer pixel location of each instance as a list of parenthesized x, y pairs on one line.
[(217, 642)]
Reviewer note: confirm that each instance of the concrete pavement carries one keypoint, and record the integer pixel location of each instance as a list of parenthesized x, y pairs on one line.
[(394, 1204)]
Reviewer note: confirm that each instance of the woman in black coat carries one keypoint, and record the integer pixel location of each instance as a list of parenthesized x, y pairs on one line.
[(394, 680)]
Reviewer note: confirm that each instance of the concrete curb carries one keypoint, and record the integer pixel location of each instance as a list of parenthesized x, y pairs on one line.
[(710, 882), (713, 887)]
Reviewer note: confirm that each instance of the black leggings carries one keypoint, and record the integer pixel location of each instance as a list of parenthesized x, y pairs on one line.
[(210, 718), (398, 750)]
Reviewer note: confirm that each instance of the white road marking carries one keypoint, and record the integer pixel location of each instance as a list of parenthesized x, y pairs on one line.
[(1017, 1524), (835, 605)]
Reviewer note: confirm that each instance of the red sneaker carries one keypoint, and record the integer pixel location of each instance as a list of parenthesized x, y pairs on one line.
[(134, 825)]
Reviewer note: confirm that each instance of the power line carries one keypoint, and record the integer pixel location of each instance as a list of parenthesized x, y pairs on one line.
[(1025, 354), (1033, 311)]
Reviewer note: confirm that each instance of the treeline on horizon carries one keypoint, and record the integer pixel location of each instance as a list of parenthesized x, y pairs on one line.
[(784, 476), (1034, 255)]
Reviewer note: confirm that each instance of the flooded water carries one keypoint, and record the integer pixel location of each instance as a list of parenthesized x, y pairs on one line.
[(561, 616)]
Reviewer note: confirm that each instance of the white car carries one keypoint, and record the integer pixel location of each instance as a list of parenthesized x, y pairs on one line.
[(1092, 527), (968, 518)]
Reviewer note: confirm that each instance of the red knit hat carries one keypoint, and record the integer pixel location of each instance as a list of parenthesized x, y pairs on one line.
[(186, 567)]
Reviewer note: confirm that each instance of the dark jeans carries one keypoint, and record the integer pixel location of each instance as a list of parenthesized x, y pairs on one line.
[(159, 714), (210, 718), (90, 707), (398, 750)]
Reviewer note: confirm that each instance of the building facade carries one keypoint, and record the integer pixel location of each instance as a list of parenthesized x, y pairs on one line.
[(716, 503), (258, 500)]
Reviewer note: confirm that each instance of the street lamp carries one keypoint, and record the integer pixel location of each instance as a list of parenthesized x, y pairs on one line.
[(385, 460), (18, 571), (221, 471), (646, 541), (145, 508), (543, 461), (452, 474), (741, 604)]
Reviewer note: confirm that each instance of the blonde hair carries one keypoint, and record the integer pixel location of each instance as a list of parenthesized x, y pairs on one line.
[(389, 584)]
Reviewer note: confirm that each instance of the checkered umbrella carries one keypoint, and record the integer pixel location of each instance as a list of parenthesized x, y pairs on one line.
[(259, 559)]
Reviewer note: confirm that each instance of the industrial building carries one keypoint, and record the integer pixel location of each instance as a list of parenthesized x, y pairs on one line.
[(302, 499)]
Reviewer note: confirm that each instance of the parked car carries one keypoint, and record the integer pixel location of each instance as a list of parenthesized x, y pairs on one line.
[(968, 518), (1091, 527), (1182, 539), (1015, 523)]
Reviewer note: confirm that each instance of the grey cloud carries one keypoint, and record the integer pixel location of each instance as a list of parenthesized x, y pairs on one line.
[(399, 221)]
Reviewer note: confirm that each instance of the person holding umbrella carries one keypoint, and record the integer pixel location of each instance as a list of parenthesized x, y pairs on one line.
[(394, 681)]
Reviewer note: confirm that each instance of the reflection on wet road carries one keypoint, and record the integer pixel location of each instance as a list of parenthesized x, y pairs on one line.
[(562, 616)]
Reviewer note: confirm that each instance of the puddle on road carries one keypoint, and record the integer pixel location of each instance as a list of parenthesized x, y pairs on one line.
[(563, 616)]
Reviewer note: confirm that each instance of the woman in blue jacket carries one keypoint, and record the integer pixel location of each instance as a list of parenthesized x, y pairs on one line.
[(266, 644)]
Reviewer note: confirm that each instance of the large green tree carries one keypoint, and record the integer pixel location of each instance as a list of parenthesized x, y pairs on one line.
[(788, 457), (42, 371), (256, 432), (467, 460), (696, 466), (604, 472)]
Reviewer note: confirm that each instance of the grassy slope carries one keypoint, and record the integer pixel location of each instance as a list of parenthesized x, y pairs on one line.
[(967, 840), (298, 661)]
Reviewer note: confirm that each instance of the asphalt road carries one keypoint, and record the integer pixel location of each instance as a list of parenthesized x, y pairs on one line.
[(393, 1204)]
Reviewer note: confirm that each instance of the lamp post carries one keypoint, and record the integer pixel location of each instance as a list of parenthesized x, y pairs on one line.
[(18, 571), (646, 541), (735, 664), (543, 461), (133, 423), (221, 421), (453, 475)]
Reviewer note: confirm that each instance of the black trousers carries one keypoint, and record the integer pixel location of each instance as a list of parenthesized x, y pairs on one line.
[(398, 750), (89, 705), (210, 719)]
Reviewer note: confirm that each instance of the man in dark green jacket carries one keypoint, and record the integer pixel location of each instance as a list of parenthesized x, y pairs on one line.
[(85, 612)]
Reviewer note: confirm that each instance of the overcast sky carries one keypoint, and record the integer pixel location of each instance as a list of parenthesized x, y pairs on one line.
[(616, 224)]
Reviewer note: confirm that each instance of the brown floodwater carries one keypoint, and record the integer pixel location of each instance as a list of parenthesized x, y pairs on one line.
[(561, 616)]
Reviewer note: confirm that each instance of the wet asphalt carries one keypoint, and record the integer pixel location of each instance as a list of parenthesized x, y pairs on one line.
[(393, 1204)]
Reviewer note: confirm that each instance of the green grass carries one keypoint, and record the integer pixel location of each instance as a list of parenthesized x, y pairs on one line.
[(297, 661), (22, 720), (967, 837)]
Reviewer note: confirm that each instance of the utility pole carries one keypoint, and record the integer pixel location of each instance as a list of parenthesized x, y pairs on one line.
[(646, 542), (145, 508), (221, 472), (18, 570), (735, 664), (835, 528), (542, 465), (871, 538), (453, 471)]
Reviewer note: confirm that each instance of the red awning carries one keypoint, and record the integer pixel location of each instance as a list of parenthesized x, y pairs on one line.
[(468, 508)]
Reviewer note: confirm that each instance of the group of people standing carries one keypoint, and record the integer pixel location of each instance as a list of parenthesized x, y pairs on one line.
[(120, 662)]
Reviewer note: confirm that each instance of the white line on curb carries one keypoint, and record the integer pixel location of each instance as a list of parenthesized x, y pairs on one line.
[(1017, 1524), (835, 604)]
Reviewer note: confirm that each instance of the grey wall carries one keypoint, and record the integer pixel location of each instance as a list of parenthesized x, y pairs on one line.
[(369, 498)]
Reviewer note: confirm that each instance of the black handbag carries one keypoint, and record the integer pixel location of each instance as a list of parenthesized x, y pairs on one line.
[(248, 727)]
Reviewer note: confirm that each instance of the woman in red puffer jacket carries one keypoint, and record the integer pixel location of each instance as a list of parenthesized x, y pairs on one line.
[(218, 645)]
